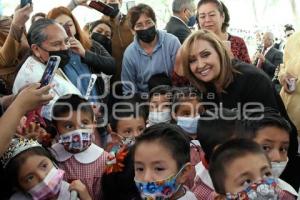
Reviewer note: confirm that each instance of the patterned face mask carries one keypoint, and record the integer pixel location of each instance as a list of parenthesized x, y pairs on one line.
[(266, 189), (49, 187), (159, 189), (76, 141), (128, 141)]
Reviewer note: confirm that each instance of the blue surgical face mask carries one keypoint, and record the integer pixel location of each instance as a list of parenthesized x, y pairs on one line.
[(278, 167), (188, 124), (192, 21), (159, 117)]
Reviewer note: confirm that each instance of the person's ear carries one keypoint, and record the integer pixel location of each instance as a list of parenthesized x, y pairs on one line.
[(35, 50), (183, 177), (174, 116), (133, 32)]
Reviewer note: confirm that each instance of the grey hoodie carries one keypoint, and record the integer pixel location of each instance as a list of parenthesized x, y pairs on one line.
[(138, 66)]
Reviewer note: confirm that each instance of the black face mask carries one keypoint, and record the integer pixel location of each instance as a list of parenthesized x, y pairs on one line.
[(104, 41), (116, 9), (147, 35), (63, 54)]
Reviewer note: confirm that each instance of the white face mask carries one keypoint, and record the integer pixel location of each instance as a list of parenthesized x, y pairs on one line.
[(158, 117), (188, 124), (278, 167)]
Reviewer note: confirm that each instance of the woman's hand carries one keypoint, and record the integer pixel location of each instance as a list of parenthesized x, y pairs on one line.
[(81, 189), (77, 47), (22, 15), (284, 80), (32, 96)]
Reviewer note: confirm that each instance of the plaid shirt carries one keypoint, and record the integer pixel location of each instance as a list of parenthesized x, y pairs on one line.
[(90, 174), (195, 152), (201, 190), (284, 195)]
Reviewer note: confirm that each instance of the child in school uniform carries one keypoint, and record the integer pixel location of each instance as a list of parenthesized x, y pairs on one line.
[(240, 169), (161, 157), (215, 127), (75, 152), (186, 109), (272, 132), (127, 122), (31, 171)]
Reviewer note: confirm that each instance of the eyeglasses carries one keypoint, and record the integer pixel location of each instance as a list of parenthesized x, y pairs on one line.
[(144, 25)]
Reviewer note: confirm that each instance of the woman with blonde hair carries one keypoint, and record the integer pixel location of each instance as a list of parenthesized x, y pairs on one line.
[(230, 83)]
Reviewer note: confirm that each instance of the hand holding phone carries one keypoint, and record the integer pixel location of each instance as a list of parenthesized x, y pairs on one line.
[(68, 30), (49, 72), (25, 2)]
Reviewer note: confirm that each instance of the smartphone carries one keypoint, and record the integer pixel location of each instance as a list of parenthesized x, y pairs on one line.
[(49, 72), (68, 30), (25, 2), (102, 7)]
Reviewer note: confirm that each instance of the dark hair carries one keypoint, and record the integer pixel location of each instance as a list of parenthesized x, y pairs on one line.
[(267, 118), (36, 33), (221, 8), (120, 185), (12, 169), (36, 15), (212, 132), (226, 154), (136, 11), (160, 90), (70, 103), (158, 80), (93, 25), (129, 108), (182, 94), (171, 137)]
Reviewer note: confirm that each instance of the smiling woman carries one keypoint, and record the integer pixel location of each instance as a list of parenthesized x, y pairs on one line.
[(209, 68), (226, 83)]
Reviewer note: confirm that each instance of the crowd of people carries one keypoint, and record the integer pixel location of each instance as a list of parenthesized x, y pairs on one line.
[(133, 112)]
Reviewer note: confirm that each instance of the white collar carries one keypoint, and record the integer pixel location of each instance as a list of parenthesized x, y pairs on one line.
[(287, 187), (85, 157), (195, 142), (203, 174), (268, 49)]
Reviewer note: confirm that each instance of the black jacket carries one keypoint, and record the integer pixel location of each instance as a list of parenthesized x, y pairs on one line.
[(274, 58), (250, 85), (178, 28)]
